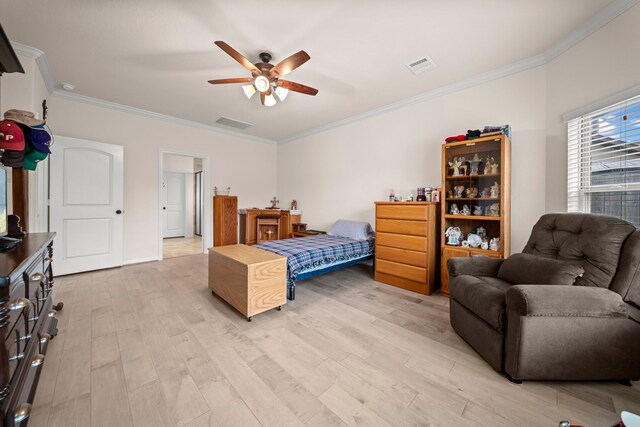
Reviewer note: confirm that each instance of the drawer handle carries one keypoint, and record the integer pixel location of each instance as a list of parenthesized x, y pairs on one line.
[(51, 314), (37, 360), (24, 338), (19, 304), (45, 338), (22, 413), (18, 356), (37, 277)]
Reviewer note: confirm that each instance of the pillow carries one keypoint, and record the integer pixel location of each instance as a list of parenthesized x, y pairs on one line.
[(352, 229), (523, 269)]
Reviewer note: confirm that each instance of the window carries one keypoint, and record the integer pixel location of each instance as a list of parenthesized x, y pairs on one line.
[(604, 162)]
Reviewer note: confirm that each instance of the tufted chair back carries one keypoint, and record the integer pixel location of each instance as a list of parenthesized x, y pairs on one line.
[(595, 242)]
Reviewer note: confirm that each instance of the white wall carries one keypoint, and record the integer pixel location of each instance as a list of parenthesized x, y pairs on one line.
[(606, 62), (341, 172), (185, 165), (244, 165)]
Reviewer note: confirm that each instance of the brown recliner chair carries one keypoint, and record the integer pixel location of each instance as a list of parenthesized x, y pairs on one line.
[(519, 317)]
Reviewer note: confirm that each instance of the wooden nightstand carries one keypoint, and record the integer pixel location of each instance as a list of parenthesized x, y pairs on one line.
[(306, 233)]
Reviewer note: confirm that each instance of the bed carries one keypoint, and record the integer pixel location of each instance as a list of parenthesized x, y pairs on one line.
[(314, 255)]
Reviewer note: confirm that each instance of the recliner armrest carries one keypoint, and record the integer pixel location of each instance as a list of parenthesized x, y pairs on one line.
[(474, 266), (565, 301)]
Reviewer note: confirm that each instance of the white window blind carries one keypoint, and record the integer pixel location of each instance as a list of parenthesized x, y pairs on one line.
[(604, 161)]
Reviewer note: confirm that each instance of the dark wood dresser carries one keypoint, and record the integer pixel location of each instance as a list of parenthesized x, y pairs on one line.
[(26, 323)]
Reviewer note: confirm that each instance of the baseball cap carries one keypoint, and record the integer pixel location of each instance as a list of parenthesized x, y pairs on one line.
[(32, 157), (38, 137), (12, 136), (12, 158), (24, 117)]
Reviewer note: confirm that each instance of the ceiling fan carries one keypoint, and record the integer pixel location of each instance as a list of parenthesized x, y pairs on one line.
[(266, 77)]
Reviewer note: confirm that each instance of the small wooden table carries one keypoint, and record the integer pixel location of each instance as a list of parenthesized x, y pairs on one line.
[(249, 279)]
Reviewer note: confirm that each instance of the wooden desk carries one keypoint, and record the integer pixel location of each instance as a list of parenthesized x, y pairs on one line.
[(249, 279)]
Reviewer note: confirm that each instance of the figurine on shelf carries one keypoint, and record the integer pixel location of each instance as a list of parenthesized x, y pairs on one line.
[(475, 165), (459, 189), (492, 210), (477, 210), (485, 192), (454, 236), (494, 168), (455, 165), (453, 209), (487, 165), (481, 232), (465, 210), (494, 244), (474, 240), (450, 194), (465, 244), (472, 192), (495, 191), (484, 245), (294, 205), (274, 203)]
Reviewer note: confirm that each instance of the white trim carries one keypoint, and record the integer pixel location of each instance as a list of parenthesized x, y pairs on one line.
[(41, 61), (153, 115), (606, 15), (139, 260), (207, 240), (602, 103), (516, 67)]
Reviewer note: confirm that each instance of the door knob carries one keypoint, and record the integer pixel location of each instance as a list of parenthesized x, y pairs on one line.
[(118, 211), (164, 208)]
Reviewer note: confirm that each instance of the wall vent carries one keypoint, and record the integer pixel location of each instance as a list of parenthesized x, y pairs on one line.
[(232, 123), (421, 65)]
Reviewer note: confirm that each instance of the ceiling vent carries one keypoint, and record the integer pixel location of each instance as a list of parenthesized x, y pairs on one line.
[(421, 65), (233, 123)]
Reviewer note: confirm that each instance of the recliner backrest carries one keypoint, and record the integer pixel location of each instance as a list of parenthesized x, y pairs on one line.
[(593, 241), (627, 279)]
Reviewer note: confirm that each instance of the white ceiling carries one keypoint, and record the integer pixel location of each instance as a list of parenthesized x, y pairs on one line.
[(157, 55)]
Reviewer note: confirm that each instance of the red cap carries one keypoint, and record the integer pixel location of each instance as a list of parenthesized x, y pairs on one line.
[(12, 136)]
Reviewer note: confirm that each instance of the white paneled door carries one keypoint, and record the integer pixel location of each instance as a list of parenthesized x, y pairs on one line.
[(86, 205), (173, 204)]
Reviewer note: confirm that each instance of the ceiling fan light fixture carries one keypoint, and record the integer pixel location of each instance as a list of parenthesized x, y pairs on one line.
[(282, 93), (249, 90), (269, 100), (262, 83)]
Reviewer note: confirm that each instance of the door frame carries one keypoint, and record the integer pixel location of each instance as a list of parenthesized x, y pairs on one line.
[(206, 211)]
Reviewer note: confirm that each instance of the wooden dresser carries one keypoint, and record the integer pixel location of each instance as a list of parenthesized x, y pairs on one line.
[(407, 245), (225, 220), (249, 223), (26, 281)]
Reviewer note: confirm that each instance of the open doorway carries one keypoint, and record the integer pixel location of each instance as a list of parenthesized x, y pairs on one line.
[(182, 207)]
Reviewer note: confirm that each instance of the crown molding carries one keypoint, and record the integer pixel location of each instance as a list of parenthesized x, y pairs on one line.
[(602, 18), (606, 15), (602, 103), (41, 60), (153, 115), (517, 67)]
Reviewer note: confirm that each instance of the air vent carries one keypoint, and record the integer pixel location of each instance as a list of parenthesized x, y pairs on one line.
[(232, 123), (421, 65)]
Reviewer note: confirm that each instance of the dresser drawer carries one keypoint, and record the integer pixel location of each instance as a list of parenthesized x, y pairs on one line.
[(401, 211), (401, 226), (417, 274), (403, 256), (401, 241)]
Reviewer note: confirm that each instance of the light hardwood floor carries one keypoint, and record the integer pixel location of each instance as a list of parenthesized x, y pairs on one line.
[(181, 246), (148, 345)]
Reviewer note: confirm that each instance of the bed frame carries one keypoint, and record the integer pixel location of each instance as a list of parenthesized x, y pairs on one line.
[(291, 290)]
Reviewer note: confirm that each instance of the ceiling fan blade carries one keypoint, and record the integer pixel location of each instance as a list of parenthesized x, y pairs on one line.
[(297, 87), (238, 57), (288, 65), (262, 97), (233, 80)]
